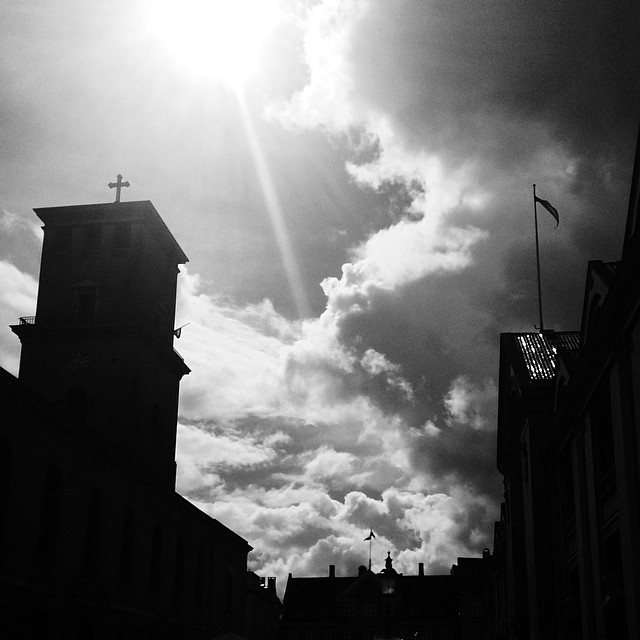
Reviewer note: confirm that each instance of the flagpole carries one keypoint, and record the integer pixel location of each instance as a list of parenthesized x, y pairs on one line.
[(535, 217)]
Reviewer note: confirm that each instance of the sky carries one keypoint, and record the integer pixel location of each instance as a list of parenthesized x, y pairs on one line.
[(352, 182)]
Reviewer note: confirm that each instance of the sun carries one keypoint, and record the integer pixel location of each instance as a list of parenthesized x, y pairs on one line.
[(216, 38)]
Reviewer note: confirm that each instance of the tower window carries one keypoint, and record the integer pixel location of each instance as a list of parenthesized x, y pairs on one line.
[(86, 304), (122, 236), (178, 575), (93, 533), (199, 589), (92, 238), (50, 517), (156, 559), (62, 239), (75, 404), (127, 547)]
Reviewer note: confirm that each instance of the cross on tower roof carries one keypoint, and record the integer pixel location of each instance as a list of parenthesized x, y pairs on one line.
[(118, 185)]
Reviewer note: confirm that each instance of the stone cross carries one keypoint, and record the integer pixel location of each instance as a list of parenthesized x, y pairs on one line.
[(118, 185)]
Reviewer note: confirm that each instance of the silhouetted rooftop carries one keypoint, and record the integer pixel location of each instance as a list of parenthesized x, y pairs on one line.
[(539, 351)]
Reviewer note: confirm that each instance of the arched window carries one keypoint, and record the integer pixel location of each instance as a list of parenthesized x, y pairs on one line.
[(122, 236), (49, 533), (127, 547), (199, 586), (156, 559), (75, 404), (93, 534), (178, 575)]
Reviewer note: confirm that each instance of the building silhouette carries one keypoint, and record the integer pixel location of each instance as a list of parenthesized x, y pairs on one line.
[(94, 540), (388, 604), (566, 553)]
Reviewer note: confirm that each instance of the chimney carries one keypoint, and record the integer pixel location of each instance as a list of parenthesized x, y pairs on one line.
[(271, 584), (421, 568), (332, 570)]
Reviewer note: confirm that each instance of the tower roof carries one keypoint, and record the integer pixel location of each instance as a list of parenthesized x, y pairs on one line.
[(114, 213)]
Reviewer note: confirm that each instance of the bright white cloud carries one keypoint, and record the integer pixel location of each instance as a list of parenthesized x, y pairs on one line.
[(467, 403), (327, 101), (302, 464)]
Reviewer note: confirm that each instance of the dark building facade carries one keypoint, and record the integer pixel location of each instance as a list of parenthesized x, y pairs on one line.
[(566, 557), (94, 541), (389, 605), (262, 608)]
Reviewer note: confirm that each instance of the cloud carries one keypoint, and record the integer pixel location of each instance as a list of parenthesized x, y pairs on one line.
[(17, 298), (300, 439), (12, 223), (380, 412)]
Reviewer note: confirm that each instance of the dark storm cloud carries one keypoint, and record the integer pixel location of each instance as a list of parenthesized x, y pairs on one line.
[(570, 66)]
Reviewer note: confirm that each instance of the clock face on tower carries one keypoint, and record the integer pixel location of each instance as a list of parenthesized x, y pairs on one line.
[(79, 361)]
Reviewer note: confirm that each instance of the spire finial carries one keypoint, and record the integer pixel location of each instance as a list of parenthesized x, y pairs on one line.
[(118, 186)]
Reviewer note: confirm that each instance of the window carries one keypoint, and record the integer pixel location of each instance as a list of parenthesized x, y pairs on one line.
[(159, 314), (127, 547), (75, 404), (122, 236), (350, 609), (86, 298), (92, 236), (369, 610), (178, 574), (93, 533), (229, 592), (156, 559), (199, 589), (50, 517), (62, 239)]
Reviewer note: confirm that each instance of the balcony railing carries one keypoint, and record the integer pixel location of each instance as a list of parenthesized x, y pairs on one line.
[(28, 320)]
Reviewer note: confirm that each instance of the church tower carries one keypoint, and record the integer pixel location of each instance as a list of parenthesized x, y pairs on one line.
[(101, 343)]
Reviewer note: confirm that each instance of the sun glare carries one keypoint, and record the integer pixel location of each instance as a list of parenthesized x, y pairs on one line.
[(217, 38)]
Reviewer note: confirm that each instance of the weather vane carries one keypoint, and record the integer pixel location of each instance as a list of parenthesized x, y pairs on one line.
[(118, 186)]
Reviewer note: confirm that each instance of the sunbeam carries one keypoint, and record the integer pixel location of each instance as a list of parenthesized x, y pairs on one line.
[(274, 209)]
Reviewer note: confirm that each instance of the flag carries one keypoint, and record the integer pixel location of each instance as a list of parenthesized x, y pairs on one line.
[(371, 535), (550, 208), (178, 332)]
